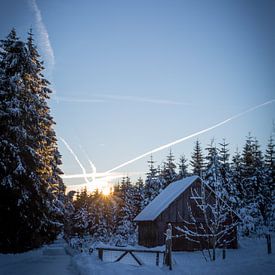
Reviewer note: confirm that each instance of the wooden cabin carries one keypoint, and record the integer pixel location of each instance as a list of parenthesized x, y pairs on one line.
[(172, 205)]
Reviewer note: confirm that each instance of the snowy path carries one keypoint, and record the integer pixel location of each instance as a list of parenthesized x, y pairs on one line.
[(49, 260)]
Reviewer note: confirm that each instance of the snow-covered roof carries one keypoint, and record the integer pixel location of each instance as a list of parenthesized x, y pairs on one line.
[(164, 199)]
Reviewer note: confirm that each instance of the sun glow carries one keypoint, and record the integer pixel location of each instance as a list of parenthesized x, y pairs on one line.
[(103, 185), (106, 191)]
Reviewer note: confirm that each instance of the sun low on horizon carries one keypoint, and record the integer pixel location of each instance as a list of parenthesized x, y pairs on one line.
[(102, 185)]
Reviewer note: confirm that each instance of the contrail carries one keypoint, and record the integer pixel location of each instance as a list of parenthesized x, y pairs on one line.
[(191, 136), (77, 100), (89, 175), (143, 99), (93, 169), (99, 175), (43, 34), (91, 164), (77, 160), (103, 98)]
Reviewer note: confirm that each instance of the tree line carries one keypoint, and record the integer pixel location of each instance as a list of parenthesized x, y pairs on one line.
[(245, 181)]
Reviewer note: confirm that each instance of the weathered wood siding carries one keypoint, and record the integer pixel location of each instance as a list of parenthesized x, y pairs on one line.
[(147, 234)]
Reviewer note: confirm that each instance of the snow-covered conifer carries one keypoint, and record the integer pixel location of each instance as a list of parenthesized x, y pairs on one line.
[(213, 176), (125, 231), (197, 161), (182, 168), (168, 172), (152, 185), (270, 181), (32, 193)]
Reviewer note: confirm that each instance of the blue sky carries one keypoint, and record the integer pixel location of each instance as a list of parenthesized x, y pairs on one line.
[(130, 76)]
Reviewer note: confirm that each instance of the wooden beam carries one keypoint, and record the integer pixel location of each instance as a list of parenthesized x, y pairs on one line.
[(137, 260), (130, 249), (121, 256)]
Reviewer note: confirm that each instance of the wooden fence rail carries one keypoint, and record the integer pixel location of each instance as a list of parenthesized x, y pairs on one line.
[(130, 251)]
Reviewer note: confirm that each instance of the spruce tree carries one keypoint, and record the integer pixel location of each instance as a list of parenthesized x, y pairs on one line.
[(169, 170), (46, 138), (99, 220), (152, 183), (125, 231), (197, 162), (69, 214), (81, 218), (270, 182), (31, 191), (182, 168), (225, 172), (213, 176), (237, 192), (138, 195), (254, 187)]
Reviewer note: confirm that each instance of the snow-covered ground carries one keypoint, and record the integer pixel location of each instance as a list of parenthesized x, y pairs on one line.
[(49, 260), (251, 258)]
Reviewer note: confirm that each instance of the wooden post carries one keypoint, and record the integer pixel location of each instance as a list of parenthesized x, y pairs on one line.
[(268, 240), (224, 250), (157, 259), (100, 254), (168, 247)]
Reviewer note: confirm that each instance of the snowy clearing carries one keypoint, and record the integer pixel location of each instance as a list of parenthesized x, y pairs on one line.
[(250, 258)]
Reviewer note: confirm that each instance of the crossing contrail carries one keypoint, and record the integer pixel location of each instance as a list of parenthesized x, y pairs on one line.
[(89, 175), (93, 169), (93, 174), (77, 160), (191, 136)]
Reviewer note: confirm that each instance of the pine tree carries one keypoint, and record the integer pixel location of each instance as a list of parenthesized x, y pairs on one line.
[(69, 214), (31, 191), (261, 190), (270, 183), (152, 183), (213, 176), (225, 172), (197, 162), (99, 218), (138, 197), (46, 138), (81, 218), (254, 187), (125, 231), (183, 168), (169, 170), (237, 192)]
